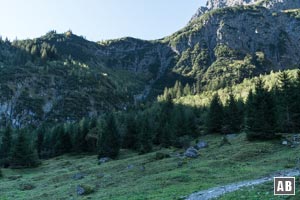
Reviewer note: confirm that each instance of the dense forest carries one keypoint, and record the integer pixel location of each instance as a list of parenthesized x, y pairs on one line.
[(264, 114)]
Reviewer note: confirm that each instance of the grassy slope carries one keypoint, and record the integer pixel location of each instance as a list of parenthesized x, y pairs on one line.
[(161, 179)]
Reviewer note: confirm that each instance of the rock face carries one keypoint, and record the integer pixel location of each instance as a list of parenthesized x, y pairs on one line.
[(245, 30), (270, 4)]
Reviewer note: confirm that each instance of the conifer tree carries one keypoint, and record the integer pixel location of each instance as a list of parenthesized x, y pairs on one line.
[(6, 146), (215, 115), (284, 102), (262, 119), (178, 89), (145, 136), (23, 153), (109, 144), (187, 90), (131, 133), (80, 142), (40, 141), (232, 115), (295, 105)]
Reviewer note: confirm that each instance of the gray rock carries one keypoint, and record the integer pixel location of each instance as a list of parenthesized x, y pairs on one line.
[(104, 160), (78, 176), (191, 153), (201, 145), (80, 190), (26, 186), (284, 142), (231, 136), (274, 5), (84, 190), (129, 167), (100, 175)]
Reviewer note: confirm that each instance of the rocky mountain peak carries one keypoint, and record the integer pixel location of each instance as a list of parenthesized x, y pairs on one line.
[(275, 5)]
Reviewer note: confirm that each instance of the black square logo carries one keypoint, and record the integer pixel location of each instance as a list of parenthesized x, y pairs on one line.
[(284, 185)]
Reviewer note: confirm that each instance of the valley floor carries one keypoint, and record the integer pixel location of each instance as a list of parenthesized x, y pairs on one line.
[(139, 177)]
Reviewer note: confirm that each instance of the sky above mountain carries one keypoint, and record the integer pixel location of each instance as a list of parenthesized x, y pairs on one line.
[(96, 19)]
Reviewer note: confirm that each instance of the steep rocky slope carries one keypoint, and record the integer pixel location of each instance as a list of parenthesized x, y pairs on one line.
[(275, 5)]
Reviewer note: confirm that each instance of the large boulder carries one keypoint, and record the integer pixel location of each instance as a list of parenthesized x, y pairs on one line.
[(201, 145), (191, 153)]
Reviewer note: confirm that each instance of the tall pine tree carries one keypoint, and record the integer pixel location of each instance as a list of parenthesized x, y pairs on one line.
[(109, 143), (23, 153), (5, 148), (261, 117), (215, 115)]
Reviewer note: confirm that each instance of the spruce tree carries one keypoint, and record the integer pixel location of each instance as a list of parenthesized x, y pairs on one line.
[(109, 143), (145, 135), (80, 132), (40, 141), (6, 145), (215, 115), (23, 153), (187, 90), (262, 119), (131, 133), (284, 102), (295, 105), (232, 115)]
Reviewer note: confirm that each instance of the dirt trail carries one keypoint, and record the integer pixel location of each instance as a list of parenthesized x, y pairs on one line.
[(221, 190)]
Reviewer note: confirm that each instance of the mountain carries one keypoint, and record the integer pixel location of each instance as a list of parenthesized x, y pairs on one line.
[(64, 77), (225, 45), (275, 5)]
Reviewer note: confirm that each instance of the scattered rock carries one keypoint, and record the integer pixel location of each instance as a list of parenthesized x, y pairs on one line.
[(129, 167), (80, 190), (160, 156), (201, 145), (231, 136), (26, 186), (142, 168), (84, 190), (191, 153), (104, 160), (284, 142), (100, 175), (181, 163), (78, 176)]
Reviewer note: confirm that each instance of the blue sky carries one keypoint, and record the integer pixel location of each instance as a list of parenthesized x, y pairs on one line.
[(95, 19)]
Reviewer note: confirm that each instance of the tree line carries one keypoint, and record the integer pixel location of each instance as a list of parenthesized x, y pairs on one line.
[(264, 113), (163, 123)]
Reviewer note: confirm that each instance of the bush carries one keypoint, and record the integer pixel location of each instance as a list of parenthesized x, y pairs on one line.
[(84, 190), (252, 136), (183, 142), (160, 156)]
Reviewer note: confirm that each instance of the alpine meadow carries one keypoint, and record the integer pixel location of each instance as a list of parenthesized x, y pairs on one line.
[(211, 111)]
